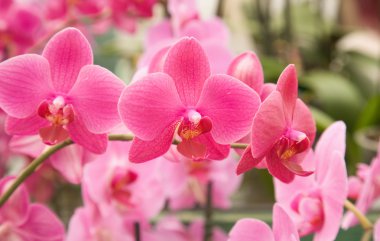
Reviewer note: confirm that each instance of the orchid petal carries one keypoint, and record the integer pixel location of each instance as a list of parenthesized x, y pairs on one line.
[(303, 120), (277, 168), (334, 193), (218, 55), (24, 83), (67, 52), (42, 224), (231, 106), (69, 162), (148, 106), (268, 125), (247, 68), (95, 96), (142, 151), (332, 139), (158, 32), (96, 143), (247, 162), (214, 151), (283, 227), (26, 126), (250, 230), (189, 67), (158, 60), (287, 85)]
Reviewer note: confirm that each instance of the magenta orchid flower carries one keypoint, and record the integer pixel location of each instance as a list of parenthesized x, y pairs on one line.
[(365, 189), (282, 132), (255, 230), (207, 112), (60, 94), (171, 229), (20, 27), (126, 12), (186, 181), (315, 203), (23, 221), (112, 180)]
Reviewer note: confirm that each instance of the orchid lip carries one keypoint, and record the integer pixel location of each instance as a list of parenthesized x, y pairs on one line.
[(59, 114)]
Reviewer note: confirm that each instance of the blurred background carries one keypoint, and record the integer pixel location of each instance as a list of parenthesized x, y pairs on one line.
[(335, 45)]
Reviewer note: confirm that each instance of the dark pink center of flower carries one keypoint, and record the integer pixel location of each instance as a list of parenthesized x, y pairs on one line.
[(309, 207), (59, 114), (120, 186), (192, 126), (289, 145)]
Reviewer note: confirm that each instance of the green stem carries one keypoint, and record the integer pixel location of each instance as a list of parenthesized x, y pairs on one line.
[(364, 221), (25, 173), (31, 168)]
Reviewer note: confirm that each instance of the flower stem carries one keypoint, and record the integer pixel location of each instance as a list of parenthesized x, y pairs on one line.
[(25, 173), (364, 221)]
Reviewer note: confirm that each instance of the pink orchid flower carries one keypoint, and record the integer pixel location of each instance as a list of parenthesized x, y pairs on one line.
[(365, 188), (315, 203), (112, 180), (171, 229), (125, 13), (208, 112), (255, 230), (60, 94), (185, 20), (282, 132), (90, 225), (23, 221), (247, 68), (20, 27), (186, 181)]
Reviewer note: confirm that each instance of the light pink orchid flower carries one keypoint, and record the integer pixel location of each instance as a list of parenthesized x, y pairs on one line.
[(23, 221), (185, 20), (315, 203), (365, 188), (171, 229), (207, 112), (60, 94), (186, 181), (112, 180), (255, 230), (90, 225), (282, 132)]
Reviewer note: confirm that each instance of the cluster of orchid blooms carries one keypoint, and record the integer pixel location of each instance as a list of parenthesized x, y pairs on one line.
[(178, 126), (24, 23)]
